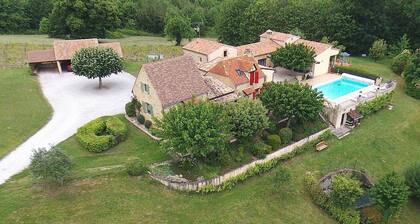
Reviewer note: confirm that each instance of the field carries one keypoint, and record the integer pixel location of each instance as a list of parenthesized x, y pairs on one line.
[(100, 192), (23, 109)]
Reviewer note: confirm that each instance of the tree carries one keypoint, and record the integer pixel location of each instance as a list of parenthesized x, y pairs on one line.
[(390, 193), (345, 191), (96, 62), (400, 46), (178, 27), (412, 178), (378, 49), (412, 76), (44, 25), (401, 61), (256, 19), (194, 130), (83, 18), (297, 32), (247, 117), (229, 19), (292, 100), (12, 16), (297, 57), (36, 10), (50, 164)]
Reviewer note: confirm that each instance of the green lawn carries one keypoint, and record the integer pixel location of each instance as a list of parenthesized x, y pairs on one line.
[(23, 108), (100, 191)]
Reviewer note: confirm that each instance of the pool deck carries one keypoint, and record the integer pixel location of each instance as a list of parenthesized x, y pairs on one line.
[(321, 79)]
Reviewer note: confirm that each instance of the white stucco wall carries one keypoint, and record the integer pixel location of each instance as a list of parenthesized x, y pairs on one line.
[(196, 56), (324, 61), (231, 52)]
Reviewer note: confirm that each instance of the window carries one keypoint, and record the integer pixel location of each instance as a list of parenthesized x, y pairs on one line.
[(225, 53), (145, 88), (147, 108), (262, 62)]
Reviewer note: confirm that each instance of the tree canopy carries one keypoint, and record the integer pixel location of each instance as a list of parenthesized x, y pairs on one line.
[(412, 76), (96, 62), (345, 191), (378, 49), (194, 130), (292, 100), (179, 27), (247, 117), (297, 57)]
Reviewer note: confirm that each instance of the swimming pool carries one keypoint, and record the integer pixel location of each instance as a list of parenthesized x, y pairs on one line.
[(340, 87)]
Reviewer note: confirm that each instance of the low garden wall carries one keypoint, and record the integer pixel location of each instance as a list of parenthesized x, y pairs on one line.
[(197, 185), (141, 127)]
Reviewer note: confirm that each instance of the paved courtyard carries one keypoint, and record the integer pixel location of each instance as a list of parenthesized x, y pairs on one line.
[(75, 101)]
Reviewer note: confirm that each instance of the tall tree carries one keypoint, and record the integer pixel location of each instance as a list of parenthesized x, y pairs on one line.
[(256, 19), (412, 76), (12, 16), (178, 27), (292, 101), (96, 62), (83, 19), (194, 130), (230, 16), (36, 10), (297, 57)]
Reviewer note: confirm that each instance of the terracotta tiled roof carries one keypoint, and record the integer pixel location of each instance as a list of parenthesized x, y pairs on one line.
[(259, 48), (317, 46), (229, 68), (283, 37), (248, 91), (203, 46), (175, 80), (38, 56), (116, 46), (65, 49)]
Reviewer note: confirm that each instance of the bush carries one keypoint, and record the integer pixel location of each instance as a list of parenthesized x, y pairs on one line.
[(274, 141), (135, 167), (356, 72), (141, 119), (376, 104), (273, 127), (378, 49), (344, 216), (130, 109), (148, 124), (260, 149), (401, 61), (345, 191), (50, 165), (286, 135), (412, 178), (102, 134), (281, 177)]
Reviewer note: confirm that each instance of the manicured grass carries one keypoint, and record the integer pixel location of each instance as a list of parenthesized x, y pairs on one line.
[(23, 108), (101, 192)]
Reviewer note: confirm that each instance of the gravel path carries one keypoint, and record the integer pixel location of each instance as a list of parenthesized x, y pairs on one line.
[(75, 101)]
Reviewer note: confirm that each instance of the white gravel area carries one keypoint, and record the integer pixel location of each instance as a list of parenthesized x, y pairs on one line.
[(75, 100)]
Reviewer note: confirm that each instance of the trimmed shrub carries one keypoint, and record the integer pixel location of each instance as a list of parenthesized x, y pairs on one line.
[(102, 134), (135, 167), (345, 191), (273, 127), (141, 119), (260, 149), (412, 178), (148, 124), (376, 104), (401, 61), (130, 109), (274, 141), (286, 135)]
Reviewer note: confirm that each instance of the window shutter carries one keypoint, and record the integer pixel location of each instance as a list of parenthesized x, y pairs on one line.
[(251, 78), (150, 109), (257, 76)]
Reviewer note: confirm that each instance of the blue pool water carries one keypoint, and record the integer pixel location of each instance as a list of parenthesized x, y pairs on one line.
[(340, 87)]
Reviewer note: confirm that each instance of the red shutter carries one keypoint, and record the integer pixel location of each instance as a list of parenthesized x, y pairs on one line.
[(257, 76), (251, 78)]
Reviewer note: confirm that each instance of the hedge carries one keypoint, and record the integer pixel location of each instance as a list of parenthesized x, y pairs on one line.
[(102, 134), (356, 72), (376, 104), (344, 216), (286, 135)]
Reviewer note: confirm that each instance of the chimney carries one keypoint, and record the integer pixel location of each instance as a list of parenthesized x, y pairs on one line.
[(248, 52), (269, 32)]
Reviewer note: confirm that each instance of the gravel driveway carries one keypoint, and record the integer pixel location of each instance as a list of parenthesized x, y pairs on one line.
[(75, 101)]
